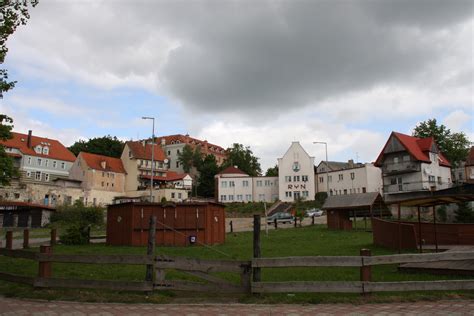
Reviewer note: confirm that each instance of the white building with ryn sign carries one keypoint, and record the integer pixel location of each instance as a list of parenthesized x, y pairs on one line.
[(295, 180)]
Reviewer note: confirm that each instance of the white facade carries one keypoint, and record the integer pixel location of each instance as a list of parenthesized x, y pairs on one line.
[(359, 178), (296, 174)]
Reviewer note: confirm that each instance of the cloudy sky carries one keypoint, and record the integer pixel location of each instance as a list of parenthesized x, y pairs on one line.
[(260, 73)]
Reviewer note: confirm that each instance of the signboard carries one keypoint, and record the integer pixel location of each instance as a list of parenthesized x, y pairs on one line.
[(192, 239)]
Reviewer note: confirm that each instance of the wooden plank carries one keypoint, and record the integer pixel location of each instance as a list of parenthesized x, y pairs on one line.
[(16, 278), (307, 287), (94, 284), (194, 264), (317, 261), (445, 285), (208, 277), (24, 254), (412, 258), (179, 285), (97, 259)]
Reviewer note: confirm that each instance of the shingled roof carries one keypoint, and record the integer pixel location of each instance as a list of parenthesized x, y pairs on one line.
[(102, 163), (350, 200), (141, 151), (56, 150)]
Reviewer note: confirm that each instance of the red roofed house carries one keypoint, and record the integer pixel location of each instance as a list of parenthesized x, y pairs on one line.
[(136, 159), (102, 177), (413, 164), (173, 145), (469, 167)]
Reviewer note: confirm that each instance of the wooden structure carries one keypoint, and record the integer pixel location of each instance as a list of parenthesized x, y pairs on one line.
[(180, 224), (340, 209), (23, 214)]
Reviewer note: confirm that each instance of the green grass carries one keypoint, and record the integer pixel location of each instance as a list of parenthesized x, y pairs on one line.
[(308, 241), (43, 232)]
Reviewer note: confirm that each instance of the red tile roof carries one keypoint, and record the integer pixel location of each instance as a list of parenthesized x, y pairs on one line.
[(25, 204), (96, 161), (140, 151), (170, 176), (186, 139), (232, 170), (56, 149), (418, 148), (470, 157)]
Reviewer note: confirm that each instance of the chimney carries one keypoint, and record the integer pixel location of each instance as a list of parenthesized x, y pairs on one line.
[(103, 164), (163, 141), (351, 163), (28, 142)]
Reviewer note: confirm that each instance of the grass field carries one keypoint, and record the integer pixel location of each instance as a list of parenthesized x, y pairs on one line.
[(308, 241)]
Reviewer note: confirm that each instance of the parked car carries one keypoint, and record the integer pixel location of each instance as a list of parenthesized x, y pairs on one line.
[(314, 212), (281, 217)]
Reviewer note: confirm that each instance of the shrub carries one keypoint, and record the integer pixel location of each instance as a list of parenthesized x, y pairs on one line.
[(75, 235)]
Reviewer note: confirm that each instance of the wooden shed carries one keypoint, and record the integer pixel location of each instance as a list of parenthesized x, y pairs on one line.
[(24, 214), (180, 224), (340, 209)]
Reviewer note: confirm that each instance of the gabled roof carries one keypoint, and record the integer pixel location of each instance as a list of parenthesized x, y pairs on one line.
[(186, 139), (170, 176), (232, 170), (470, 157), (96, 162), (418, 148), (337, 165), (141, 151), (56, 149), (350, 200)]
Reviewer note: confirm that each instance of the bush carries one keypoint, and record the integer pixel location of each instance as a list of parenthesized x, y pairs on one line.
[(75, 235), (464, 213)]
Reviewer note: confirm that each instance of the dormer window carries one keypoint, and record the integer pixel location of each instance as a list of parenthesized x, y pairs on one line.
[(45, 150), (38, 149)]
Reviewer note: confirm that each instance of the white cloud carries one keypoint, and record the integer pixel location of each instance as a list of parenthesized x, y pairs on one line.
[(456, 121)]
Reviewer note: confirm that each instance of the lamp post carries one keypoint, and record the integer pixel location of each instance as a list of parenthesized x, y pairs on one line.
[(327, 164), (152, 154)]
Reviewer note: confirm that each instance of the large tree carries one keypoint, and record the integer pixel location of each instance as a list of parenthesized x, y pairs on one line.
[(243, 158), (272, 172), (206, 182), (7, 169), (106, 145), (13, 13), (455, 146), (190, 158)]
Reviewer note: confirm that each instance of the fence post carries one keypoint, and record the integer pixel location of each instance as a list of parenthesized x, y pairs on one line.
[(246, 277), (9, 240), (53, 236), (151, 247), (231, 227), (275, 222), (45, 267), (256, 246), (365, 270), (312, 220), (26, 238)]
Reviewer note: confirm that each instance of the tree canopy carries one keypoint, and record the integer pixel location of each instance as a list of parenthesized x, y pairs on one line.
[(190, 158), (243, 158), (207, 170), (7, 169), (106, 145), (272, 172), (455, 146)]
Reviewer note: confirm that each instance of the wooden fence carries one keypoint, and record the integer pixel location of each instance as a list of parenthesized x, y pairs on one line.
[(249, 272)]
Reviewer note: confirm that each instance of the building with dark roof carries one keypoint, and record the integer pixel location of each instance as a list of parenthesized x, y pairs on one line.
[(411, 164)]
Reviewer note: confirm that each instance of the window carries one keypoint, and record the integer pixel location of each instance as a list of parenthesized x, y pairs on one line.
[(169, 152), (329, 178), (39, 161), (29, 160), (393, 181), (245, 183), (439, 180), (239, 197), (45, 150), (224, 184), (223, 198), (259, 183), (364, 190), (112, 185), (431, 179), (231, 184), (341, 177), (288, 193), (38, 149), (102, 183), (395, 159), (28, 174), (296, 178), (321, 179), (63, 165), (103, 174), (261, 197), (46, 162), (177, 151), (38, 176), (248, 197), (304, 178), (330, 192), (129, 154), (406, 158), (55, 163), (46, 177), (172, 195), (305, 193), (287, 178), (352, 175), (267, 183), (177, 164), (231, 197), (345, 191)]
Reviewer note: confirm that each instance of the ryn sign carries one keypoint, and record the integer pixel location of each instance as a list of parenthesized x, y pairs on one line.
[(296, 186)]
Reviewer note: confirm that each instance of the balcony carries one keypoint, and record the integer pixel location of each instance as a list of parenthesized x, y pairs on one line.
[(400, 167)]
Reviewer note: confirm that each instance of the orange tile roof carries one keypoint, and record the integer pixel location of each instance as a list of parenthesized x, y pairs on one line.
[(95, 162), (186, 139), (418, 148), (232, 170), (56, 149), (144, 152)]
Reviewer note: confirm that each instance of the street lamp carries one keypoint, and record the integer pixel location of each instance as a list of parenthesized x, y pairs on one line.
[(152, 154), (327, 164)]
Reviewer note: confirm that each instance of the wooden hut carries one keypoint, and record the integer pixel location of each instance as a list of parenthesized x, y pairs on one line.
[(180, 224), (24, 214)]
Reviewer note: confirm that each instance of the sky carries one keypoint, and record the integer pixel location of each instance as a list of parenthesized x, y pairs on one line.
[(260, 73)]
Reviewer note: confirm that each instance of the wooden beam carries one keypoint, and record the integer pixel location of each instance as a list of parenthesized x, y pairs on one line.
[(307, 287), (445, 285), (194, 264), (94, 284), (414, 258), (24, 254), (16, 278), (179, 285), (97, 259), (316, 261)]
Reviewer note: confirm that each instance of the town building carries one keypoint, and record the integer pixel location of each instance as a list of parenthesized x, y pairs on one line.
[(102, 178), (348, 178), (411, 164), (469, 167), (173, 145), (234, 185)]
